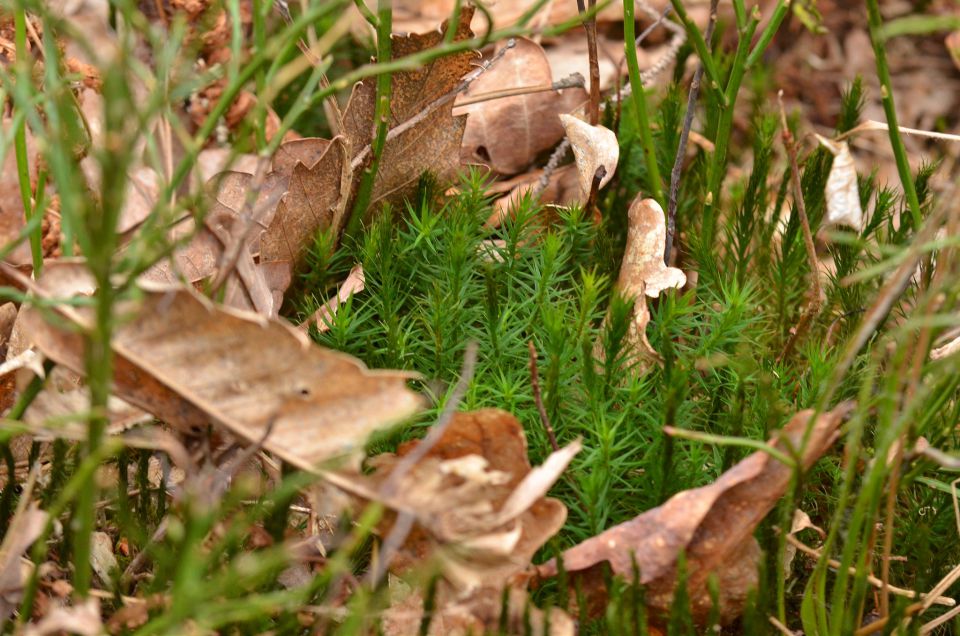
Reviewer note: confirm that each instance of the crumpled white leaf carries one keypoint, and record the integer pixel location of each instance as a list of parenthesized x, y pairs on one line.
[(643, 257), (593, 147), (843, 195)]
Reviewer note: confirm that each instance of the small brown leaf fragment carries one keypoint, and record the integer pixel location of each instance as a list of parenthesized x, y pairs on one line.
[(82, 618), (643, 270), (25, 527), (308, 207), (713, 525), (190, 362), (508, 133), (478, 613), (479, 507), (843, 195), (953, 46), (594, 147), (433, 144)]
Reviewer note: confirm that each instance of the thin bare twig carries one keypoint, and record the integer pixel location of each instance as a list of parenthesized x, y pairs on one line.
[(590, 26), (574, 80), (692, 98), (872, 580), (538, 398), (813, 306)]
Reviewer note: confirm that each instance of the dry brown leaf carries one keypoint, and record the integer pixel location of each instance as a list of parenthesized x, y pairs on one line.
[(24, 529), (421, 15), (643, 270), (563, 188), (478, 613), (508, 133), (843, 195), (480, 509), (433, 144), (190, 363), (83, 619), (309, 206), (594, 147), (713, 525), (354, 283)]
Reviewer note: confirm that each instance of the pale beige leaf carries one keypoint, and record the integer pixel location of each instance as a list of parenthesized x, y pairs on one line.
[(353, 284), (191, 363), (83, 619), (843, 195), (24, 529), (593, 147), (102, 559), (643, 269), (508, 133)]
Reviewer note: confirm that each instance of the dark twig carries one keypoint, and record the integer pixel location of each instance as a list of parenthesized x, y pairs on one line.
[(538, 398), (684, 137), (590, 26), (813, 307), (591, 204), (404, 523)]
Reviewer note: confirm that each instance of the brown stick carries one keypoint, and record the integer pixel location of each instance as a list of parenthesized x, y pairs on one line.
[(692, 98), (574, 80), (590, 26), (538, 398), (813, 307)]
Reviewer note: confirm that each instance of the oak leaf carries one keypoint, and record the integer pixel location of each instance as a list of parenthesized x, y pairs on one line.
[(594, 148), (508, 133), (479, 507), (191, 363), (712, 525)]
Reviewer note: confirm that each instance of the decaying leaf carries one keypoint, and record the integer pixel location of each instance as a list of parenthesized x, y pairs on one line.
[(82, 619), (24, 529), (190, 363), (508, 133), (480, 509), (712, 525), (643, 274), (643, 270), (353, 284), (433, 143), (310, 205), (843, 195), (477, 613), (594, 147), (563, 188)]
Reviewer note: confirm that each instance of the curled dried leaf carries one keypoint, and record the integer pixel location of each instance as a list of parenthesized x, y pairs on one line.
[(190, 363), (508, 133), (594, 147), (479, 508), (712, 525), (843, 194), (643, 270)]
